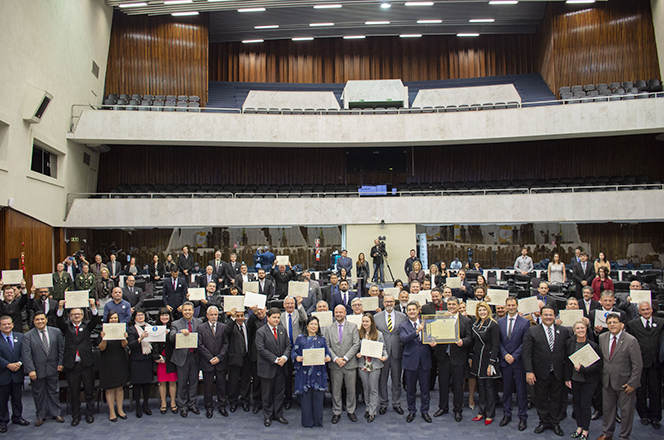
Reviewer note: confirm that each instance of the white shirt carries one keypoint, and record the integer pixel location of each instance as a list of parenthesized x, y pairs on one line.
[(553, 333), (644, 321)]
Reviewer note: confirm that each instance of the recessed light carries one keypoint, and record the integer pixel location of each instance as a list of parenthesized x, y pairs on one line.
[(184, 14), (302, 38), (354, 37), (482, 20), (572, 2), (327, 6), (376, 22), (419, 4), (321, 24), (429, 21), (133, 5), (252, 41), (503, 2), (410, 35), (176, 2), (468, 35), (385, 5), (267, 26), (251, 10)]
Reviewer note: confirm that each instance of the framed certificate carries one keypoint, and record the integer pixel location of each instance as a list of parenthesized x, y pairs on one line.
[(369, 303), (497, 296), (298, 288), (453, 282), (371, 348), (637, 296), (355, 319), (157, 333), (189, 341), (77, 299), (441, 329), (282, 260), (324, 318), (196, 293), (250, 286), (313, 356), (471, 307), (569, 317), (528, 305), (233, 302), (254, 299), (42, 280), (114, 332), (12, 276)]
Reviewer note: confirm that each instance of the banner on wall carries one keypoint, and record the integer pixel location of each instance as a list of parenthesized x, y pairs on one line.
[(505, 234), (424, 254)]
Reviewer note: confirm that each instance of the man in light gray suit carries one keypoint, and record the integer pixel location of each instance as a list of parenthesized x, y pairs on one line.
[(388, 322), (42, 352), (343, 341), (295, 322), (186, 361), (621, 376)]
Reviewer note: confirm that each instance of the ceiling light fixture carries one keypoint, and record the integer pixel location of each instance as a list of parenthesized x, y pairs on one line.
[(251, 10), (429, 21), (252, 41), (578, 2), (482, 20), (321, 24), (133, 5), (176, 2), (419, 4), (302, 38), (184, 14), (410, 35), (267, 26), (370, 23), (503, 2), (385, 6), (354, 37), (468, 35), (327, 6)]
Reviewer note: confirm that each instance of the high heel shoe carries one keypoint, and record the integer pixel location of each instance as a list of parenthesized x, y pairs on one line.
[(174, 409), (488, 422), (123, 416), (477, 418), (114, 419), (471, 405), (163, 409), (576, 434)]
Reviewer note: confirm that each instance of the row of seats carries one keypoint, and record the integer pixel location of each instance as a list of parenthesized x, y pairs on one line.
[(137, 97), (168, 103), (383, 111), (614, 91)]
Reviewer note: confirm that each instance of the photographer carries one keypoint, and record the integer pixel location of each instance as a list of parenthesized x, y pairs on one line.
[(377, 253)]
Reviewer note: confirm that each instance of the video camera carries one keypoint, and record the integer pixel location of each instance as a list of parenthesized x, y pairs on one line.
[(381, 246)]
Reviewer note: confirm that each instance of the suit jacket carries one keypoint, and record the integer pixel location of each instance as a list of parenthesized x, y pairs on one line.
[(347, 348), (299, 322), (624, 367), (136, 298), (281, 281), (36, 359), (468, 294), (416, 355), (267, 288), (212, 345), (253, 324), (376, 363), (393, 343), (218, 272), (326, 294), (185, 263), (601, 310), (458, 355), (114, 265), (514, 344), (37, 305), (202, 280), (156, 271), (579, 275), (237, 349), (270, 349), (230, 271), (338, 299), (180, 354), (538, 358), (175, 297), (97, 271), (239, 280), (80, 342), (649, 341), (594, 305), (9, 355), (345, 263)]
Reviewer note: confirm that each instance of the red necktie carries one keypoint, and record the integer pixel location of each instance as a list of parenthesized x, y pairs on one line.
[(76, 327), (275, 333), (191, 350), (613, 348)]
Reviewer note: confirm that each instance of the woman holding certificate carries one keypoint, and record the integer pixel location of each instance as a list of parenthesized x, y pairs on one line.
[(114, 370), (141, 361), (167, 373), (485, 363), (309, 354), (362, 271), (582, 380), (369, 367)]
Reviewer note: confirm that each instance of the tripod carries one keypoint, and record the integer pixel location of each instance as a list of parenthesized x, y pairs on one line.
[(387, 263)]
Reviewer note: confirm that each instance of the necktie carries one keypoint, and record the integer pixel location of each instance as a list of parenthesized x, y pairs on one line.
[(46, 308), (550, 332), (584, 267), (9, 341), (341, 332), (345, 298), (191, 329), (78, 357), (510, 328), (648, 325), (244, 333), (290, 328), (613, 347), (389, 322), (44, 339), (415, 328), (214, 329), (175, 284), (274, 330)]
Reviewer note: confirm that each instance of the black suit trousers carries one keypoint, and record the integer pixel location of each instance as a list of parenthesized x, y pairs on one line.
[(651, 387), (548, 399), (75, 376), (256, 393), (450, 375), (211, 380), (272, 390), (11, 391), (239, 383)]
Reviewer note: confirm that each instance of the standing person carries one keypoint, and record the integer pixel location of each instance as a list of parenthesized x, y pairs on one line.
[(78, 360), (42, 304), (218, 269), (239, 361), (273, 349), (186, 360), (583, 274), (42, 352), (344, 262), (343, 341), (113, 370), (85, 281), (167, 374), (114, 269), (485, 363), (11, 374), (257, 318), (104, 286), (97, 267), (294, 321), (13, 304), (156, 271), (141, 361), (581, 379), (175, 293), (132, 294), (185, 262), (369, 368), (344, 297), (601, 283), (118, 305), (231, 269), (362, 268), (543, 355), (435, 277), (311, 381), (556, 271), (416, 362), (213, 355), (524, 264), (388, 322), (602, 262), (62, 281), (169, 265), (621, 376), (417, 273), (377, 256), (513, 328), (281, 279), (408, 266)]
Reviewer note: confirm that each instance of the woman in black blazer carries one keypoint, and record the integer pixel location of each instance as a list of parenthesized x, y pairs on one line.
[(486, 361), (582, 380), (141, 361), (167, 373)]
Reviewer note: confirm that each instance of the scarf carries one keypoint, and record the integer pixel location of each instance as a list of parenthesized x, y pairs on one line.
[(146, 347)]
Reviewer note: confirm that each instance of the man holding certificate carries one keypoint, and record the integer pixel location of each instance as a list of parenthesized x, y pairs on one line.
[(212, 351), (294, 321), (185, 357)]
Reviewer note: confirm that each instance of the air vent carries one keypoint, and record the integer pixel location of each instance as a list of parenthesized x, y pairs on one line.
[(86, 159), (95, 70)]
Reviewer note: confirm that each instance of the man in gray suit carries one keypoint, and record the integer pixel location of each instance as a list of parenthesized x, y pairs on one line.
[(295, 322), (343, 341), (388, 322), (42, 353), (186, 361), (621, 376)]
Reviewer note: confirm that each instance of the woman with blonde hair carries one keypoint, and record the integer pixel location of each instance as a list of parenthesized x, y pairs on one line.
[(485, 363)]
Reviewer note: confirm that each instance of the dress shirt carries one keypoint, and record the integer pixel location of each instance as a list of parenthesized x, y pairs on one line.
[(646, 322), (245, 278), (553, 333), (272, 330), (524, 264)]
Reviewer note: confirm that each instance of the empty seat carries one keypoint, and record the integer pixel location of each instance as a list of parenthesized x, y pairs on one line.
[(627, 85), (273, 111), (440, 108), (589, 87), (581, 94), (641, 95), (513, 104), (157, 106), (392, 111), (368, 111), (380, 111), (132, 105), (309, 111), (632, 90), (500, 105), (194, 107), (171, 98), (125, 97), (619, 91), (641, 85), (427, 110), (564, 90), (614, 85), (475, 107), (415, 110), (148, 98), (654, 85), (487, 106), (602, 86), (286, 111), (194, 98), (451, 108), (112, 96), (605, 92), (183, 98), (333, 111), (181, 106), (261, 111), (463, 108), (136, 97), (160, 97), (145, 106), (576, 89), (298, 111), (321, 111), (250, 110), (344, 111), (566, 96)]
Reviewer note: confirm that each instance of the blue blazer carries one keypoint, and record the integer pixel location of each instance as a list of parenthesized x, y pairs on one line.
[(345, 263), (514, 344), (416, 355), (337, 299), (9, 356)]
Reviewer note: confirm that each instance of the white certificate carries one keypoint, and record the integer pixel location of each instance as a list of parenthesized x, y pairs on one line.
[(471, 307), (421, 298), (324, 318), (114, 332), (313, 356), (369, 303), (12, 276), (77, 299), (298, 288), (640, 295), (189, 341), (355, 319), (157, 333), (371, 348), (453, 282), (282, 260), (394, 291), (233, 302), (43, 280), (196, 294), (497, 296), (250, 286), (528, 305), (569, 317), (585, 356), (254, 299), (600, 318)]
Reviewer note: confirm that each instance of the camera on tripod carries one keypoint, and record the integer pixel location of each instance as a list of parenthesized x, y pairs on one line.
[(381, 246)]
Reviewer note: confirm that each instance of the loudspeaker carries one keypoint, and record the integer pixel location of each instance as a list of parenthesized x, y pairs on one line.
[(35, 102)]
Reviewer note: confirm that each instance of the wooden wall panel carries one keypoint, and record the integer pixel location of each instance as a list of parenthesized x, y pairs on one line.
[(158, 55)]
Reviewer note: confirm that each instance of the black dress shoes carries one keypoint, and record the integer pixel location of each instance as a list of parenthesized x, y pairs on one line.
[(21, 422), (655, 424), (458, 417), (223, 412), (558, 431), (267, 423), (89, 419), (530, 404), (287, 406), (335, 419), (256, 409), (3, 428), (398, 410), (505, 421), (382, 411), (195, 410), (540, 428), (523, 424), (139, 412), (371, 419), (645, 421), (74, 422), (147, 411), (245, 407), (426, 417), (209, 413), (61, 419), (440, 412), (410, 417), (39, 422), (282, 421), (352, 417), (233, 408), (183, 413), (596, 415)]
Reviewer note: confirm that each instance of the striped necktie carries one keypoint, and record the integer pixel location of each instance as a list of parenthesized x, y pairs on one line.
[(389, 322)]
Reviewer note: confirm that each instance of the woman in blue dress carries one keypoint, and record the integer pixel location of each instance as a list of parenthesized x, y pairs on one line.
[(310, 381)]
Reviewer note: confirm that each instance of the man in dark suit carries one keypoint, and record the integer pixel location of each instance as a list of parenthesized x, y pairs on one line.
[(416, 362), (212, 352), (11, 374), (388, 322), (544, 358), (327, 292), (408, 266), (42, 354), (207, 277), (588, 304), (218, 269), (273, 349), (78, 360), (598, 316), (255, 320), (294, 320), (343, 262), (265, 285), (42, 303), (186, 361), (576, 258), (621, 376), (13, 304), (97, 266), (583, 273), (513, 329), (239, 359), (114, 269), (132, 294), (243, 276), (377, 257), (452, 361), (231, 269), (185, 262), (343, 297), (648, 331), (281, 278), (175, 293), (466, 291)]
